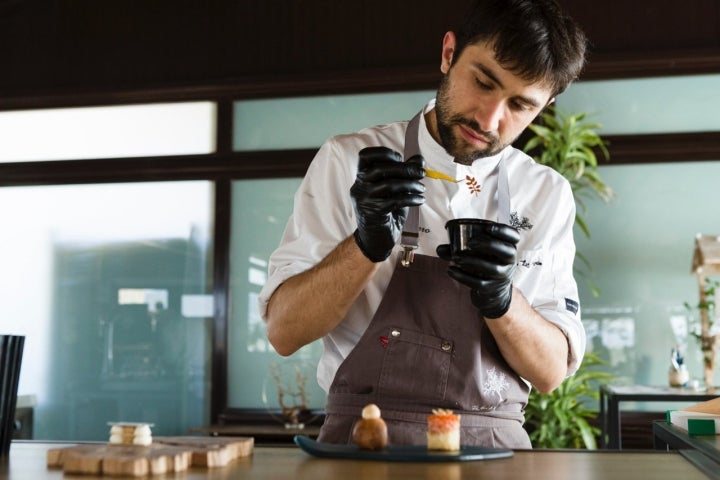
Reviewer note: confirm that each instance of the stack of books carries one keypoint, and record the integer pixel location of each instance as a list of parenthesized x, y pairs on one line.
[(700, 419)]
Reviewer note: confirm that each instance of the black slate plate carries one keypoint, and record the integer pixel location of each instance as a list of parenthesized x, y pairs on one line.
[(400, 453)]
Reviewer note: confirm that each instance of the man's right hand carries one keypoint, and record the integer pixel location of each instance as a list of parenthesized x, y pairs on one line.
[(383, 191)]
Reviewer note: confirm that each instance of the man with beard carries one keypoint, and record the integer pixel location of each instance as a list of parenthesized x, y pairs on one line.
[(365, 263)]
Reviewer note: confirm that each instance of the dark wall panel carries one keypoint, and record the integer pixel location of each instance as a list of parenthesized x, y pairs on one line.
[(267, 47)]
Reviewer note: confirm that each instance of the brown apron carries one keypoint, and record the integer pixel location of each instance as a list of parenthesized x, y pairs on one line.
[(428, 347)]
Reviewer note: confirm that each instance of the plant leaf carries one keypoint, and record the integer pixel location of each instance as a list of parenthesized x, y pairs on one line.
[(560, 419)]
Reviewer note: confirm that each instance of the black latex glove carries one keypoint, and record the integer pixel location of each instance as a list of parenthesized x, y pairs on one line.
[(486, 267), (383, 191)]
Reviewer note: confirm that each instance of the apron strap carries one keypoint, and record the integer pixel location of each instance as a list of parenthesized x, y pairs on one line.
[(503, 194), (409, 238)]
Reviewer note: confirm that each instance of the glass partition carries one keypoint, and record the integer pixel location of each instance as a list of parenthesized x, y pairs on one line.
[(259, 378), (97, 278), (306, 122), (107, 131), (648, 105), (641, 254)]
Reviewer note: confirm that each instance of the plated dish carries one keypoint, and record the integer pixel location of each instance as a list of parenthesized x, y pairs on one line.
[(399, 453)]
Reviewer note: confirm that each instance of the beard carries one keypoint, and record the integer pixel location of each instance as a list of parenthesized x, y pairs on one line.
[(453, 143)]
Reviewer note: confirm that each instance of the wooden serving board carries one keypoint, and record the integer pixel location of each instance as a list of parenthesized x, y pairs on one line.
[(164, 455), (211, 452)]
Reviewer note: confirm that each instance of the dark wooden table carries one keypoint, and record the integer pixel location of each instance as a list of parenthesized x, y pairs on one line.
[(612, 395)]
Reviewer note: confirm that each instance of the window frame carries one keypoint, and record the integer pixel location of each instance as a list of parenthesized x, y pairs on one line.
[(225, 165), (221, 167)]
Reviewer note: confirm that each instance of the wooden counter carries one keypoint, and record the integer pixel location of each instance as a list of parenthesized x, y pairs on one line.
[(27, 461)]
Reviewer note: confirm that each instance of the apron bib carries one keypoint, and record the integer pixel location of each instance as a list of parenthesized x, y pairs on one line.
[(428, 347)]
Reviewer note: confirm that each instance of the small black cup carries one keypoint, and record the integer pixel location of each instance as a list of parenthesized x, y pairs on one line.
[(461, 230)]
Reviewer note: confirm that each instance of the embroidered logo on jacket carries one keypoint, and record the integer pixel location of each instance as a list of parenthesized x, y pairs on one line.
[(472, 185), (496, 383), (528, 263), (520, 223)]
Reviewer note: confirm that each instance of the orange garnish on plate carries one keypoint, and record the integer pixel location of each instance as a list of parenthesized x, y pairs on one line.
[(442, 421)]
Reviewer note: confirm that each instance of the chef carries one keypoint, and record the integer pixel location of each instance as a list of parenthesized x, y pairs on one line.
[(364, 263)]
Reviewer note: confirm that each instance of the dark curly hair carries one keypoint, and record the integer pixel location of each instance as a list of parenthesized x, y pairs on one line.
[(532, 38)]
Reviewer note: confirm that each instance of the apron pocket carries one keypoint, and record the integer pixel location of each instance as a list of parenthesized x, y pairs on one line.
[(415, 365)]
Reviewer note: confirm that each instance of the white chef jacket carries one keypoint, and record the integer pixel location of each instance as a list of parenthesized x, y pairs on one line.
[(541, 202)]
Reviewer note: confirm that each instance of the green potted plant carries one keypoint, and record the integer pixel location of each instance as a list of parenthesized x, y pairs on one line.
[(570, 144), (563, 418)]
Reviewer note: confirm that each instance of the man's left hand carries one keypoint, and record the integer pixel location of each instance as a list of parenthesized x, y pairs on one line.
[(487, 267)]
